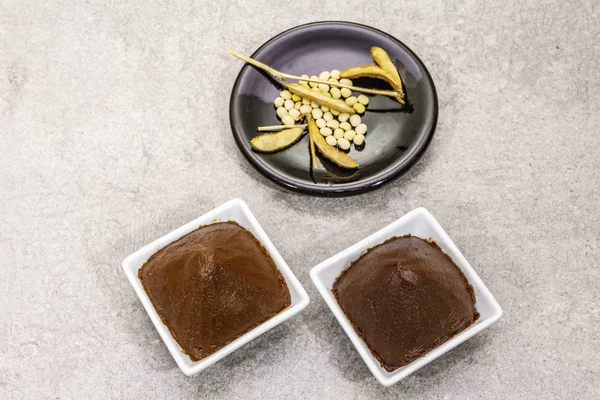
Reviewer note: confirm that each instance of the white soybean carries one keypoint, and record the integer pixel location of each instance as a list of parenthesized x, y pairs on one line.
[(305, 109), (321, 123), (351, 100), (282, 112), (324, 75), (286, 94), (314, 104), (324, 108), (294, 114), (338, 133), (323, 88), (288, 120), (335, 93), (355, 120), (345, 126), (349, 135), (362, 99), (289, 104), (335, 74), (346, 81), (361, 129), (333, 123), (359, 139), (326, 131), (303, 82), (345, 92), (327, 116), (306, 101), (317, 113), (343, 117), (343, 143), (360, 108), (278, 102), (313, 84), (332, 141)]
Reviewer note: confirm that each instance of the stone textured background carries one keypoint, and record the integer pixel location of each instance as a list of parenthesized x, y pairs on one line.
[(114, 130)]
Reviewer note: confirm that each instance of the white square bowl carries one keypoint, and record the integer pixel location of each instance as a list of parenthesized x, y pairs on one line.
[(234, 210), (418, 223)]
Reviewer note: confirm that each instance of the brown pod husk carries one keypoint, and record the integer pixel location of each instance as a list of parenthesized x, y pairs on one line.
[(274, 142), (331, 153), (374, 71), (382, 58), (321, 98), (312, 128)]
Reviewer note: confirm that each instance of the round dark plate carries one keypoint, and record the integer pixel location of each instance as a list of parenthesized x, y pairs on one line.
[(397, 136)]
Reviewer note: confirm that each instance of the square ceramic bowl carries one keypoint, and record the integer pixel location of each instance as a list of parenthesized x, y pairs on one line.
[(234, 210), (418, 223)]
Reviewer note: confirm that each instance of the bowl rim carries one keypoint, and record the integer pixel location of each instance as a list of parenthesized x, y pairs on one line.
[(334, 263), (340, 189), (132, 263)]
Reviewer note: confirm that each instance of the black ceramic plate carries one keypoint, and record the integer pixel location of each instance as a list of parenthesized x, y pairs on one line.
[(397, 136)]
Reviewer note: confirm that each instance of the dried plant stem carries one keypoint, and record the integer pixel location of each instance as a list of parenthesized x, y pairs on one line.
[(279, 127), (280, 75), (258, 64)]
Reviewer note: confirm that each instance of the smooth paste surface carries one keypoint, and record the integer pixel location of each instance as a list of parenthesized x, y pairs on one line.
[(405, 297), (212, 286)]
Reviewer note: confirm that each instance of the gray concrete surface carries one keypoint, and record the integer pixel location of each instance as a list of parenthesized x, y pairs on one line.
[(114, 130)]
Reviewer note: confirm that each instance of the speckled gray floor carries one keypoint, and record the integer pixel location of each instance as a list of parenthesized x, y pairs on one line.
[(114, 130)]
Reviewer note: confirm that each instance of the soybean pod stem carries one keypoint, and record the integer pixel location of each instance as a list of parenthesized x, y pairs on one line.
[(281, 75), (271, 128)]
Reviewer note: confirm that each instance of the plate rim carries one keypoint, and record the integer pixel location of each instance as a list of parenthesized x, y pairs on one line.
[(342, 189)]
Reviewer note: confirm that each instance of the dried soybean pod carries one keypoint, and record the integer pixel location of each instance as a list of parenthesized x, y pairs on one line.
[(313, 130), (382, 58), (374, 71), (273, 142), (331, 153), (371, 71), (321, 98)]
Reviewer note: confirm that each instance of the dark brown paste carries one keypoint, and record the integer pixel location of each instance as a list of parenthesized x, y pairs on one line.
[(212, 286), (405, 297)]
